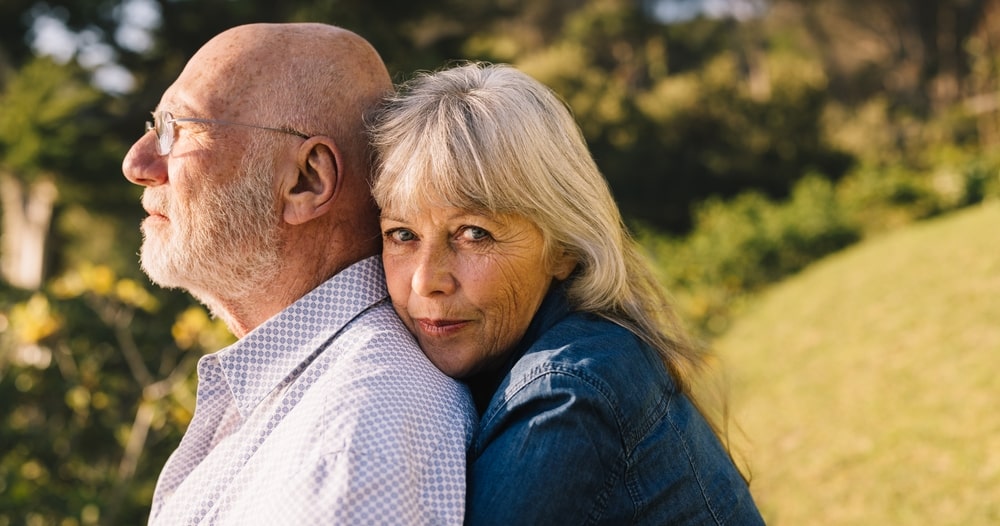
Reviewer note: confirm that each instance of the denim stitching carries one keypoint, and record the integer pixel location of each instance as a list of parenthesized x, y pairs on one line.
[(701, 484)]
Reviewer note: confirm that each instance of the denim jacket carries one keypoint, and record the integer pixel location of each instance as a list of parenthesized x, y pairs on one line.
[(585, 426)]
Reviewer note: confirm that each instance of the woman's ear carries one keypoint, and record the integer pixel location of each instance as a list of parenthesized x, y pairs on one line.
[(563, 265), (311, 191)]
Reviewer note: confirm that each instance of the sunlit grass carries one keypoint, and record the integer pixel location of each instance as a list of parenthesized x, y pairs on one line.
[(868, 386)]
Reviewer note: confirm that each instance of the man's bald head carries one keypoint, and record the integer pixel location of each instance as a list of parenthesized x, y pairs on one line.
[(314, 78)]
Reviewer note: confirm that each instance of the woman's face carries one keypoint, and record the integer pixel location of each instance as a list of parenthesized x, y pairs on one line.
[(466, 284)]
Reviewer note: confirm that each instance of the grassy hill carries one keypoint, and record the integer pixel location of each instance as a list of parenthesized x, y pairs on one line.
[(868, 386)]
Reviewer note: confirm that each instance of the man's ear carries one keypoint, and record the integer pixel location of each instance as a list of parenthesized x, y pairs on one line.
[(310, 192)]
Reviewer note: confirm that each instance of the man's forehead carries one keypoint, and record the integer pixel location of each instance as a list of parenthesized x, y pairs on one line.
[(205, 88), (183, 99), (242, 49)]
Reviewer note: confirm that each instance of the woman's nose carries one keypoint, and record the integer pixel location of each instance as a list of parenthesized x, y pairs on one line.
[(143, 165), (433, 273)]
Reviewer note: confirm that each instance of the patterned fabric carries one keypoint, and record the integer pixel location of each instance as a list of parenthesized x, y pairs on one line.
[(326, 414)]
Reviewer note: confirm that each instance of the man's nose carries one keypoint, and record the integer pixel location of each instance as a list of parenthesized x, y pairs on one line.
[(143, 165)]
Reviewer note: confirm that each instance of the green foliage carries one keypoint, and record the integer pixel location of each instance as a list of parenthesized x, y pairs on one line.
[(886, 196), (103, 389), (38, 110), (88, 235), (740, 246), (907, 169), (670, 112), (54, 124), (714, 137)]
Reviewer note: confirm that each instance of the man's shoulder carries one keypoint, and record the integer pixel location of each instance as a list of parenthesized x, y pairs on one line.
[(379, 361)]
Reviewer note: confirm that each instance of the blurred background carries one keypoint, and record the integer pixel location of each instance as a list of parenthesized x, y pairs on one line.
[(816, 180)]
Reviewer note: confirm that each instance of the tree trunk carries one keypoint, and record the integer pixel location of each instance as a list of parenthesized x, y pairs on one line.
[(27, 213)]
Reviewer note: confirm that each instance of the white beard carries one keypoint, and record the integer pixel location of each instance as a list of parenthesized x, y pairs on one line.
[(222, 243)]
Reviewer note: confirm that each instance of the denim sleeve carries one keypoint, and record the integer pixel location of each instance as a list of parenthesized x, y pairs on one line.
[(549, 455)]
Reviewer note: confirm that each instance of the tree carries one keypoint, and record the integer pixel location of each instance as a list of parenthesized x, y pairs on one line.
[(43, 114), (676, 113), (917, 51)]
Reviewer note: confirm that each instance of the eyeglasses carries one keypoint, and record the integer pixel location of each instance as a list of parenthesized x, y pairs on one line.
[(163, 123)]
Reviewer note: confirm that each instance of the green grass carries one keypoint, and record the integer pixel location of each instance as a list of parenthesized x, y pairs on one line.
[(868, 386)]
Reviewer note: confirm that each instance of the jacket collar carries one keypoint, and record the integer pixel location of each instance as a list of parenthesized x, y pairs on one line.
[(555, 306)]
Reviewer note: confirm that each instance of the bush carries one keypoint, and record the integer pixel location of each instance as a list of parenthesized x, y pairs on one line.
[(885, 196), (740, 246), (103, 386)]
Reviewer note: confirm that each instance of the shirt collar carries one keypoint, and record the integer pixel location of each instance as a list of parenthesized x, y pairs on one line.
[(276, 352)]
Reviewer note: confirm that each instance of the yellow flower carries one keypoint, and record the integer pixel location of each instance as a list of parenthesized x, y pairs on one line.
[(33, 320)]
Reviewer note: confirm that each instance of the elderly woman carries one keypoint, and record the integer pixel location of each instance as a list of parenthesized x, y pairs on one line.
[(507, 258)]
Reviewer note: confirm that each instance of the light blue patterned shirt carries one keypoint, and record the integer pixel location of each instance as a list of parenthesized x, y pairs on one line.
[(328, 413)]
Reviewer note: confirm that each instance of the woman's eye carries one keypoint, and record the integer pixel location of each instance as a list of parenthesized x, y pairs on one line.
[(474, 233), (400, 235)]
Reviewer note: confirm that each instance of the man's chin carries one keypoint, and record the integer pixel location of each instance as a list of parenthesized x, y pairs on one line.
[(158, 268), (161, 279)]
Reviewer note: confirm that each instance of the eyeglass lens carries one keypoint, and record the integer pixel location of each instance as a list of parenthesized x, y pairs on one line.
[(164, 132), (163, 125)]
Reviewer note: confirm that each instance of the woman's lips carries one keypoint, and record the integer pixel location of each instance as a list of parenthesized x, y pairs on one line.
[(433, 327)]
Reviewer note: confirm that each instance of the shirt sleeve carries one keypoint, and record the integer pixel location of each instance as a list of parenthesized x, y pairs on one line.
[(548, 456)]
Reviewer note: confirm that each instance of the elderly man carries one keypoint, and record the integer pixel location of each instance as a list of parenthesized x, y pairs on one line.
[(256, 175)]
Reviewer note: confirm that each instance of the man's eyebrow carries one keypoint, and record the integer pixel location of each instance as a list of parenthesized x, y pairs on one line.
[(178, 109)]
